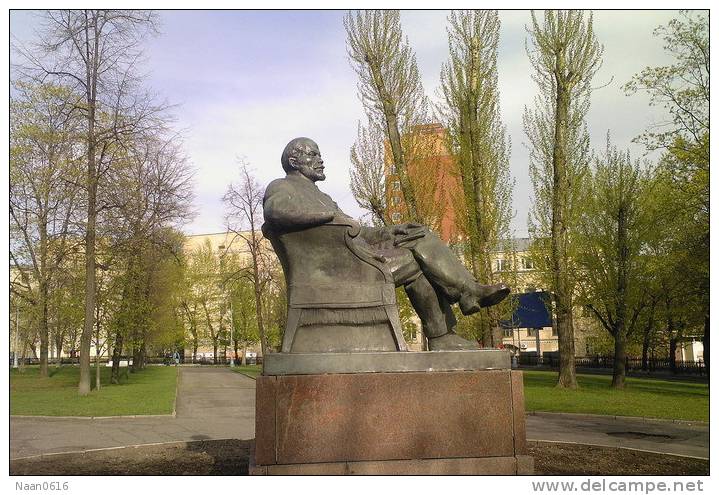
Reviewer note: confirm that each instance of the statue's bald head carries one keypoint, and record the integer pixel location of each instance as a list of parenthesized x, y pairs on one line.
[(302, 156), (294, 149)]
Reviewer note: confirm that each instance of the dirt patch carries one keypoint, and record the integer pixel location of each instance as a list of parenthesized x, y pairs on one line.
[(572, 459), (206, 457), (230, 458)]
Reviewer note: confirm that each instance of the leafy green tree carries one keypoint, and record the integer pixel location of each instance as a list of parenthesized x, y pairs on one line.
[(206, 274), (565, 55), (613, 234), (244, 332), (153, 192), (95, 53), (368, 171), (66, 306), (479, 145), (391, 92), (44, 195), (682, 89)]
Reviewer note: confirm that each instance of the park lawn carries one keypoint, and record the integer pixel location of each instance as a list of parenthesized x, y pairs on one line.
[(251, 370), (150, 391), (642, 397)]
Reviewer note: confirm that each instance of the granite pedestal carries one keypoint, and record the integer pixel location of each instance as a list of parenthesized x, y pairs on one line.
[(441, 412)]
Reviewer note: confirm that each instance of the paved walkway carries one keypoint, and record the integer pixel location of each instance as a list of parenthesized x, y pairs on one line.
[(212, 403), (667, 437), (215, 403)]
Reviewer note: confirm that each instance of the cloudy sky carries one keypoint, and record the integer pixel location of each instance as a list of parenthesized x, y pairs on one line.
[(249, 81)]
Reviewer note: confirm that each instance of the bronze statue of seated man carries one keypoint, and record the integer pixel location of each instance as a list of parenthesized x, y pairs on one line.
[(430, 273)]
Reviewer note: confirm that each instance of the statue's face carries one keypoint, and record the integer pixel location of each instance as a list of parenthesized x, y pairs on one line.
[(309, 162)]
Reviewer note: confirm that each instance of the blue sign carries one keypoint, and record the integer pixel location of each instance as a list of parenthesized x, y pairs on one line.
[(531, 311)]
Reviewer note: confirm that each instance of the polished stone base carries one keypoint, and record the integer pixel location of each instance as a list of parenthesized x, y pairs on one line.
[(381, 362), (454, 422)]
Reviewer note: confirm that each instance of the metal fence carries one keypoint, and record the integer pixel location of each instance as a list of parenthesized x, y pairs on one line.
[(662, 365)]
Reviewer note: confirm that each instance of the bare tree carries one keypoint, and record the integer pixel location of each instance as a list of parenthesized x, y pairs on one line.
[(95, 52), (565, 55), (479, 144), (390, 90), (243, 207)]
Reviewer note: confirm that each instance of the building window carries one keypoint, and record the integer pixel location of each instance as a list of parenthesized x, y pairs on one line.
[(395, 185), (396, 217), (532, 332), (508, 332), (527, 264), (555, 333), (502, 265), (396, 200)]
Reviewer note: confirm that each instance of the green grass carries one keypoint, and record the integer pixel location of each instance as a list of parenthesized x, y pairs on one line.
[(251, 370), (150, 391), (641, 397)]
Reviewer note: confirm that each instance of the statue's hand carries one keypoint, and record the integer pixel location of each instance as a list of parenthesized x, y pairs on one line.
[(408, 232), (410, 228)]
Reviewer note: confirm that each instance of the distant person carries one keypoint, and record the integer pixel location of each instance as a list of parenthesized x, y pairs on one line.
[(176, 357)]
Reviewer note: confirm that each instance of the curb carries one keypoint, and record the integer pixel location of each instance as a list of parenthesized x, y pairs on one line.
[(530, 442), (536, 443), (24, 416), (644, 419), (133, 446)]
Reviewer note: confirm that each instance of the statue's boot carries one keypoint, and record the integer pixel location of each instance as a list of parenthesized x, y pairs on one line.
[(446, 272), (482, 296)]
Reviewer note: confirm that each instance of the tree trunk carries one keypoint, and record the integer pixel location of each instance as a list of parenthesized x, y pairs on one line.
[(116, 355), (58, 347), (214, 351), (43, 329), (395, 143), (705, 343), (645, 352), (143, 355), (90, 275), (97, 369), (136, 359), (559, 258), (673, 354), (97, 349), (258, 293), (647, 337), (620, 371)]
